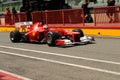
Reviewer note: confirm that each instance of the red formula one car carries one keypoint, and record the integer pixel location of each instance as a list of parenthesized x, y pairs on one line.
[(41, 33)]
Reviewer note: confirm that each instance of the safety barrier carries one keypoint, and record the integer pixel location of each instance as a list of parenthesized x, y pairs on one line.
[(101, 15), (37, 16), (0, 21), (70, 16), (10, 19)]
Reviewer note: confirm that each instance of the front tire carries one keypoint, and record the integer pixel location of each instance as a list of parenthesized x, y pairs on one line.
[(15, 36), (51, 37)]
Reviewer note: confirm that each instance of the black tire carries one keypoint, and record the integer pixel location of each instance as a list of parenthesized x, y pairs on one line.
[(79, 30), (15, 36), (51, 37)]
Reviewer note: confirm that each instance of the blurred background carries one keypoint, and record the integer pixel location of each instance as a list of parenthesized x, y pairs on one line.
[(50, 4)]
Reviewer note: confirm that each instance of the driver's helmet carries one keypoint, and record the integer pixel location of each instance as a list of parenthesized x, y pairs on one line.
[(45, 26)]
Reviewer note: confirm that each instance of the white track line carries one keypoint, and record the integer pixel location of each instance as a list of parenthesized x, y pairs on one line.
[(63, 55), (63, 63), (9, 73)]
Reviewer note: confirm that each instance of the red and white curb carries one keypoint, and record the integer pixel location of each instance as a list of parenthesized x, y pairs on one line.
[(4, 75)]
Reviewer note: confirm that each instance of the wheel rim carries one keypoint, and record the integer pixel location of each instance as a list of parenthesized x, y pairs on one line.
[(49, 39)]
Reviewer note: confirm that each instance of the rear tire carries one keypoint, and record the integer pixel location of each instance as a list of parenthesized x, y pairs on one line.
[(15, 36), (51, 37)]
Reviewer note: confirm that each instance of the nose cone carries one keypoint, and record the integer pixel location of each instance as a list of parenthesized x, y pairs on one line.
[(91, 38)]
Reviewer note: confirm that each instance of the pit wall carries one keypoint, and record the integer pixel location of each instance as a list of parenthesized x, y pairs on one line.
[(87, 31)]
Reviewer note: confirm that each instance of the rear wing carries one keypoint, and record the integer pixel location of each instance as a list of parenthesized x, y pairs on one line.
[(20, 24)]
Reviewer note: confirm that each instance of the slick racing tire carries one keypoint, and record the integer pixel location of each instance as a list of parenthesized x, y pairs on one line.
[(79, 30), (15, 36), (51, 37)]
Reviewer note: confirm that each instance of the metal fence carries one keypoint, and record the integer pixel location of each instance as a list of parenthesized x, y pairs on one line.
[(10, 19), (103, 15), (67, 16)]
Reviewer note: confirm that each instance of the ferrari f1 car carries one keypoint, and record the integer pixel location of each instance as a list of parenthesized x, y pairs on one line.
[(41, 33)]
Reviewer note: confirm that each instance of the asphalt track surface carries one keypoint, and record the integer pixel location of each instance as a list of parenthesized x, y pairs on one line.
[(98, 61)]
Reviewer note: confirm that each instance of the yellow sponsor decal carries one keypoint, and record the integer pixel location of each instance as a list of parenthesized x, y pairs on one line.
[(23, 29)]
